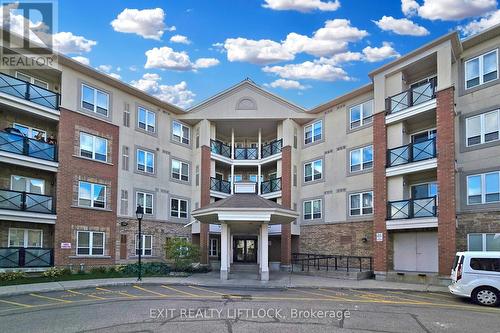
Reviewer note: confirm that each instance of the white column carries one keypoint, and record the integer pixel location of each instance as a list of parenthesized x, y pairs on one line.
[(232, 143), (229, 236), (223, 251), (231, 249), (259, 172), (232, 178), (264, 261), (259, 144), (258, 250)]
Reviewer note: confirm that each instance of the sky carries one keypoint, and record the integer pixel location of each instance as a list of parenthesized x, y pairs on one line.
[(306, 51)]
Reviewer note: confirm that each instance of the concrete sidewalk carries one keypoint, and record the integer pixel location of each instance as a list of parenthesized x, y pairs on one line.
[(240, 280)]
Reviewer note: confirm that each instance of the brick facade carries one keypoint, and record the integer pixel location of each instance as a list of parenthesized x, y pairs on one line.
[(286, 201), (70, 217), (481, 222), (47, 232)]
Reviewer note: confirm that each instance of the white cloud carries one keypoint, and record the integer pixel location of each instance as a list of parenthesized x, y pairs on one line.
[(401, 26), (302, 5), (166, 58), (478, 25), (329, 40), (448, 10), (286, 84), (82, 60), (148, 23), (312, 70), (133, 68), (374, 54), (180, 39), (105, 68), (115, 75), (66, 42), (177, 94)]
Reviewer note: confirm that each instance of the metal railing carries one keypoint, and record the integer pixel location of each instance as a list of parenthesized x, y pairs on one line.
[(18, 257), (412, 208), (411, 97), (308, 261), (27, 202), (220, 185), (19, 144), (28, 91), (245, 153), (412, 152), (218, 147), (271, 148), (271, 185)]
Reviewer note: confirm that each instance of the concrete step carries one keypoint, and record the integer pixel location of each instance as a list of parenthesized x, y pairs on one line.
[(334, 274), (254, 268)]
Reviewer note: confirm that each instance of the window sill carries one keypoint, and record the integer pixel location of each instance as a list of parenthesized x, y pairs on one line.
[(92, 160), (186, 145), (141, 130), (92, 208), (86, 256)]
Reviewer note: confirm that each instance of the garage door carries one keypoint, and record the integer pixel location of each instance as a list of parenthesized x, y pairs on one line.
[(416, 251)]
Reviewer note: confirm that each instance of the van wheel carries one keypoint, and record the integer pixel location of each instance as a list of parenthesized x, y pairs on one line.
[(486, 296)]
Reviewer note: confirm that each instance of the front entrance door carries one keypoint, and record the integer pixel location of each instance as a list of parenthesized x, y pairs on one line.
[(244, 250), (416, 251)]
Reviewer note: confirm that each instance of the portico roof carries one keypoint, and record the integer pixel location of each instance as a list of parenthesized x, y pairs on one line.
[(245, 207)]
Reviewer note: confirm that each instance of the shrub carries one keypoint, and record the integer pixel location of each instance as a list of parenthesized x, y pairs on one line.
[(182, 252), (98, 270), (54, 272), (148, 268), (11, 276)]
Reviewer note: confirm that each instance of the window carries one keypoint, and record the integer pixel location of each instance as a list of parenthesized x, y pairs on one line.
[(93, 147), (483, 188), (25, 237), (147, 245), (95, 100), (482, 128), (125, 158), (312, 209), (485, 264), (90, 243), (124, 202), (30, 132), (483, 242), (146, 201), (214, 247), (180, 133), (178, 208), (361, 114), (481, 69), (26, 184), (361, 159), (91, 195), (313, 132), (146, 120), (313, 171), (32, 80), (180, 170), (145, 161), (361, 204)]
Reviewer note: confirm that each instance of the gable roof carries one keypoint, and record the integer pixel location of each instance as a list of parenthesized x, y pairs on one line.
[(244, 200)]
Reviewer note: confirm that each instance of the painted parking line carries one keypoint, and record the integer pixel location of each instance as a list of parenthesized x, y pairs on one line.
[(116, 292), (50, 298), (428, 298), (180, 291), (16, 303), (318, 294), (88, 295), (150, 291)]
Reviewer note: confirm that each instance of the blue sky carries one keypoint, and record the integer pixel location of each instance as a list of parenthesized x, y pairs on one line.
[(251, 38)]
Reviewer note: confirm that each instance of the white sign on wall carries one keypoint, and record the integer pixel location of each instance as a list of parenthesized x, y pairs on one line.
[(65, 245), (380, 236)]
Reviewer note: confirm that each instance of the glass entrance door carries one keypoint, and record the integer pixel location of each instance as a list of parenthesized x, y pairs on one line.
[(245, 250)]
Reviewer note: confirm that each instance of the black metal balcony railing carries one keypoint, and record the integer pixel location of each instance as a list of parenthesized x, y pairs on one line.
[(270, 186), (412, 152), (19, 144), (220, 148), (18, 257), (28, 202), (412, 208), (220, 185), (28, 91), (272, 148), (245, 153), (411, 97)]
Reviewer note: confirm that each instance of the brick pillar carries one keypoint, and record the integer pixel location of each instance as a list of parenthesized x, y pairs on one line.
[(445, 121), (286, 201), (204, 200), (380, 249)]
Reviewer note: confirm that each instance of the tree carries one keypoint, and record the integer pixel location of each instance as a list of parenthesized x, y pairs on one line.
[(183, 253)]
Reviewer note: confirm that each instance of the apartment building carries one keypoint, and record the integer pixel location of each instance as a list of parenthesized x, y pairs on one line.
[(405, 170)]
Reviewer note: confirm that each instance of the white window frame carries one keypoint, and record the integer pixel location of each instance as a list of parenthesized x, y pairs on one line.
[(25, 237), (211, 251), (362, 161), (362, 119), (32, 80), (94, 139), (181, 138), (312, 168), (179, 208), (26, 183), (30, 130), (482, 133), (312, 209), (483, 239), (91, 243), (143, 203), (95, 99), (144, 249), (481, 69), (181, 163), (361, 207), (146, 124), (92, 191), (311, 126), (145, 161), (483, 188)]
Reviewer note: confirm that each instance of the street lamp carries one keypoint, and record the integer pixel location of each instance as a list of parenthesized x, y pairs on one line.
[(139, 213)]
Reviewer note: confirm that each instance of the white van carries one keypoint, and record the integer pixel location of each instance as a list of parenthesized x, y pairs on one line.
[(477, 275)]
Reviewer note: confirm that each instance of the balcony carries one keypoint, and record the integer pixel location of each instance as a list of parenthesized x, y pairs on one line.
[(15, 257), (25, 90), (270, 186), (412, 157), (219, 148), (244, 153), (412, 213), (26, 202), (272, 148), (220, 185)]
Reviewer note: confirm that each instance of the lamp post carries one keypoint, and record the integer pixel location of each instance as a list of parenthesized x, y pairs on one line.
[(139, 213)]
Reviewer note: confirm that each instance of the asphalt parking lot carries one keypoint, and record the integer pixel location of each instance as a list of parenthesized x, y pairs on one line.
[(184, 308)]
